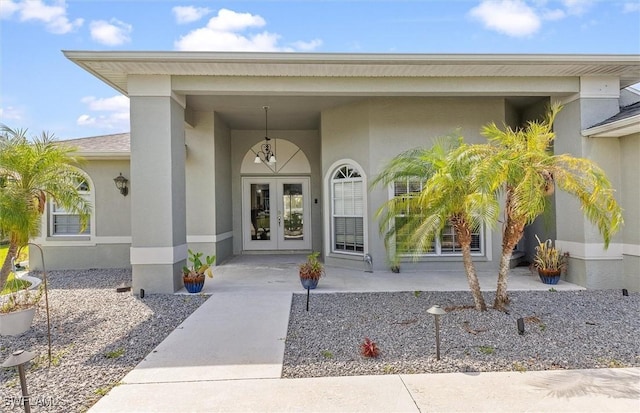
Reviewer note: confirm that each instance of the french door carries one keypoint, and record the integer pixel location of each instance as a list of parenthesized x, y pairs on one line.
[(276, 213)]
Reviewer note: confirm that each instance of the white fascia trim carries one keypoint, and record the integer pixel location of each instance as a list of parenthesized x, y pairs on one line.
[(624, 127), (80, 56), (591, 251), (105, 155), (158, 255)]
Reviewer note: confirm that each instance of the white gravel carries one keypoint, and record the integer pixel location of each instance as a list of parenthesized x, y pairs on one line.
[(97, 334), (563, 330)]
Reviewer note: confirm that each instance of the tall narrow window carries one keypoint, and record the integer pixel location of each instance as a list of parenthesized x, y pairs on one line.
[(347, 195), (67, 223)]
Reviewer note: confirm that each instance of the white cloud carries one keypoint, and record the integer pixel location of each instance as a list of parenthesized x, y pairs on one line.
[(577, 6), (521, 18), (115, 116), (631, 7), (54, 15), (229, 20), (556, 14), (226, 32), (11, 113), (307, 46), (511, 17), (111, 33), (189, 14), (9, 7)]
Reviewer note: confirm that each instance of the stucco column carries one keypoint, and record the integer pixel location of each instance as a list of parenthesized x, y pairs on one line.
[(590, 264), (158, 212)]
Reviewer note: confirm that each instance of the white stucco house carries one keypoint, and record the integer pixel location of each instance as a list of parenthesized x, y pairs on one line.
[(199, 171)]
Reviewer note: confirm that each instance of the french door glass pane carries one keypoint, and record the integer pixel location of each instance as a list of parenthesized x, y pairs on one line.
[(292, 198), (260, 212)]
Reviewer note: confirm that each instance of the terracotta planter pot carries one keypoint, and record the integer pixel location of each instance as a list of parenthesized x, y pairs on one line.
[(549, 276)]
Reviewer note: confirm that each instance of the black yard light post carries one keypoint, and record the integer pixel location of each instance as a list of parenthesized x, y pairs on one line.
[(437, 311), (19, 359)]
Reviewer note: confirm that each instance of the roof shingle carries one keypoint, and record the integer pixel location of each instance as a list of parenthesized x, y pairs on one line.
[(116, 143)]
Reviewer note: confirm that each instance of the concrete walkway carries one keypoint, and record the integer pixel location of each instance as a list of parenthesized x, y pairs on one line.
[(227, 357)]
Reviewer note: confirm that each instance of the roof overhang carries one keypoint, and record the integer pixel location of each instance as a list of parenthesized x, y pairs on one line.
[(617, 129), (114, 67), (104, 156)]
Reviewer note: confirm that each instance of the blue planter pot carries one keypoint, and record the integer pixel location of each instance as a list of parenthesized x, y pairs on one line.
[(309, 283), (193, 286), (549, 277)]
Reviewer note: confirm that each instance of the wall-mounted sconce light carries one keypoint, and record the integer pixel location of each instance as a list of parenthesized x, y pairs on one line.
[(121, 184)]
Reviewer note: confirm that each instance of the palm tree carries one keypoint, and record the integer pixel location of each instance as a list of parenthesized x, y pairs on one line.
[(521, 164), (446, 198), (31, 172)]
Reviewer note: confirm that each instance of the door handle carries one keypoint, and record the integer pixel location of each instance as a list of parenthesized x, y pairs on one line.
[(279, 221)]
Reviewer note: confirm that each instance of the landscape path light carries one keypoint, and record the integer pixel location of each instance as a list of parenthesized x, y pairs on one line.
[(18, 359), (437, 311)]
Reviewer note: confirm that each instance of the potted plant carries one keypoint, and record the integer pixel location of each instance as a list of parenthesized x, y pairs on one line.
[(311, 271), (193, 276), (17, 309), (549, 261)]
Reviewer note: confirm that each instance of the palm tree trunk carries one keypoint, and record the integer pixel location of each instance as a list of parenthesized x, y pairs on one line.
[(472, 277), (6, 266), (502, 298), (463, 232), (512, 234)]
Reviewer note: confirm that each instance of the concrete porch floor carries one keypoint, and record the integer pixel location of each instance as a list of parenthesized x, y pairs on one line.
[(272, 272), (227, 356)]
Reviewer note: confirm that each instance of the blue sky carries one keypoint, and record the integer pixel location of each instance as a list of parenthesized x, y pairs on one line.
[(43, 91)]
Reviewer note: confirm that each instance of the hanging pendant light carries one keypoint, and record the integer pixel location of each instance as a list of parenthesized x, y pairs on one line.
[(265, 154)]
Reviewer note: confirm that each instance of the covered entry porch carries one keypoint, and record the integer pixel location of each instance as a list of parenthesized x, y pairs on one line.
[(197, 118)]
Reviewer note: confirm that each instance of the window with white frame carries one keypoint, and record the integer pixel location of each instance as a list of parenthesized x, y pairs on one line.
[(446, 244), (65, 223), (347, 211)]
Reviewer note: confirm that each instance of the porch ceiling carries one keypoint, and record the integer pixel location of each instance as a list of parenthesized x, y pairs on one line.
[(285, 112)]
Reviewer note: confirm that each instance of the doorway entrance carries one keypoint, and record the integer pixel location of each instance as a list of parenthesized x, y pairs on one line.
[(276, 213)]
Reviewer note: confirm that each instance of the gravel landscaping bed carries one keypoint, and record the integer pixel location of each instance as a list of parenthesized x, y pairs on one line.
[(563, 330), (98, 335)]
